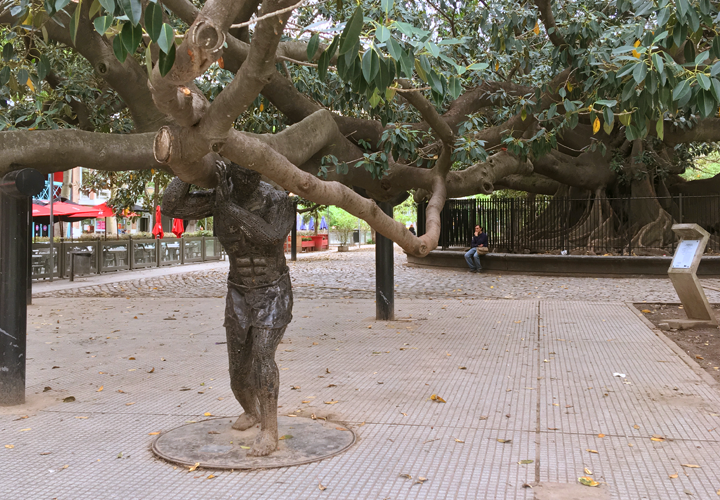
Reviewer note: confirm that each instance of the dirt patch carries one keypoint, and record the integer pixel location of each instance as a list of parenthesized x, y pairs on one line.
[(701, 344)]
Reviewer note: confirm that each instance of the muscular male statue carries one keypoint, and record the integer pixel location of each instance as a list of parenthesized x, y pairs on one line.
[(252, 221)]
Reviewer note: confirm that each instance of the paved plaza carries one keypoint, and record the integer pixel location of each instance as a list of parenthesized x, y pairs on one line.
[(529, 368), (325, 275)]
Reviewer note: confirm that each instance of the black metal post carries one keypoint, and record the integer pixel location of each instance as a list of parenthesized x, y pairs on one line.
[(29, 253), (15, 188), (293, 235), (384, 273)]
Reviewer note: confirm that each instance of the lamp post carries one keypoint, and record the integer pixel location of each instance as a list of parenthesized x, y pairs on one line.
[(15, 216)]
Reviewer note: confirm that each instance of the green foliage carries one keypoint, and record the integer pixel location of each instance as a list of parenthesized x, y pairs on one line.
[(342, 223)]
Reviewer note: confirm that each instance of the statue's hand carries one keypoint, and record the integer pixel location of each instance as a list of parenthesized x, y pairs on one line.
[(224, 185)]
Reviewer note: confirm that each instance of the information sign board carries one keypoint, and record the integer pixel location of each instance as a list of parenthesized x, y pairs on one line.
[(685, 254)]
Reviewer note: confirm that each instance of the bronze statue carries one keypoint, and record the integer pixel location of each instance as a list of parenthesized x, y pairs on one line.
[(252, 221)]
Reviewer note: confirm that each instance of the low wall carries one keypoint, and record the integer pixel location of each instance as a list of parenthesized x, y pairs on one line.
[(563, 264)]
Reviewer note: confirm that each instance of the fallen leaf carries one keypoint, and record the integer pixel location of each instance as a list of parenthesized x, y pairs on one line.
[(211, 476), (636, 426), (131, 359), (295, 388), (331, 402), (129, 404), (153, 371), (207, 414), (321, 487), (209, 432), (153, 433), (588, 471), (553, 428), (697, 356), (101, 388), (646, 311), (524, 462), (315, 343), (306, 401), (421, 480), (463, 367), (657, 438), (437, 399), (673, 476), (286, 436), (64, 467), (81, 418), (25, 430), (9, 446), (500, 440), (601, 435), (588, 481), (691, 466), (591, 451), (459, 440), (192, 468), (340, 428), (406, 476), (244, 447)]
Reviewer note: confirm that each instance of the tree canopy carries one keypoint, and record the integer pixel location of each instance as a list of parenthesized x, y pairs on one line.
[(344, 103)]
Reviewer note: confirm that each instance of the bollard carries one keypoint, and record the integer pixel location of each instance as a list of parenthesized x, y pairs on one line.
[(15, 217)]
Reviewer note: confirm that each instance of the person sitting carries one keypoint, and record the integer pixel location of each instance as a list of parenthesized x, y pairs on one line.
[(412, 230), (478, 245)]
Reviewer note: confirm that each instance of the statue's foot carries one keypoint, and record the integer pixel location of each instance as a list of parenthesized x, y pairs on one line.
[(245, 421), (264, 444)]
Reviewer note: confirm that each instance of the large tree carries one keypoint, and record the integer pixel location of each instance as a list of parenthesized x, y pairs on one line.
[(347, 102)]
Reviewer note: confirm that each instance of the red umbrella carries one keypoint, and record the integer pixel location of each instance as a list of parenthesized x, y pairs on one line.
[(98, 212), (158, 229), (178, 227)]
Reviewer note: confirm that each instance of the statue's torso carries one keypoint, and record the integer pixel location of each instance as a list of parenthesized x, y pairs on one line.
[(252, 262)]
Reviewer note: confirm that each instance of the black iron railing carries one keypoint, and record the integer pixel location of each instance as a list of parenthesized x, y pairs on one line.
[(545, 224)]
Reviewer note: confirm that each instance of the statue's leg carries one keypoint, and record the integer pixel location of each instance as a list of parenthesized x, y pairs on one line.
[(267, 381), (239, 344)]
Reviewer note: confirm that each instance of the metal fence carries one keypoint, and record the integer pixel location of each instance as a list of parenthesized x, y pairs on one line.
[(545, 224), (119, 255)]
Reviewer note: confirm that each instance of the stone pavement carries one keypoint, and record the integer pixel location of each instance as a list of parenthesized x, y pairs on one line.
[(531, 399), (529, 383), (326, 275)]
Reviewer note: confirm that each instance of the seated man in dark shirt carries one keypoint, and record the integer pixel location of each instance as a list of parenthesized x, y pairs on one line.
[(478, 245)]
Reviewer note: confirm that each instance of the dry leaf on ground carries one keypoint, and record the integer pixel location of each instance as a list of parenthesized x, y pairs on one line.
[(591, 451), (286, 436), (101, 388), (153, 433), (524, 462), (192, 468), (211, 476), (459, 440), (691, 466), (437, 399), (331, 402), (9, 446), (500, 440), (673, 476), (588, 481), (207, 414), (601, 435), (321, 487), (588, 471)]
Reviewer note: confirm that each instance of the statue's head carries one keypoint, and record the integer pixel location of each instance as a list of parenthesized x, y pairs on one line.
[(243, 181)]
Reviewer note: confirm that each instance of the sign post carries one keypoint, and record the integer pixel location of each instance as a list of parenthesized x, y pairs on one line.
[(683, 274), (15, 217)]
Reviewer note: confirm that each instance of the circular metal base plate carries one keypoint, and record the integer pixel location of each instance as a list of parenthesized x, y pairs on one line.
[(214, 444)]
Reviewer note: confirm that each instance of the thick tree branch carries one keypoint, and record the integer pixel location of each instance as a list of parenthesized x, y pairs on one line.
[(707, 130), (255, 72), (255, 155), (57, 150), (546, 15)]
